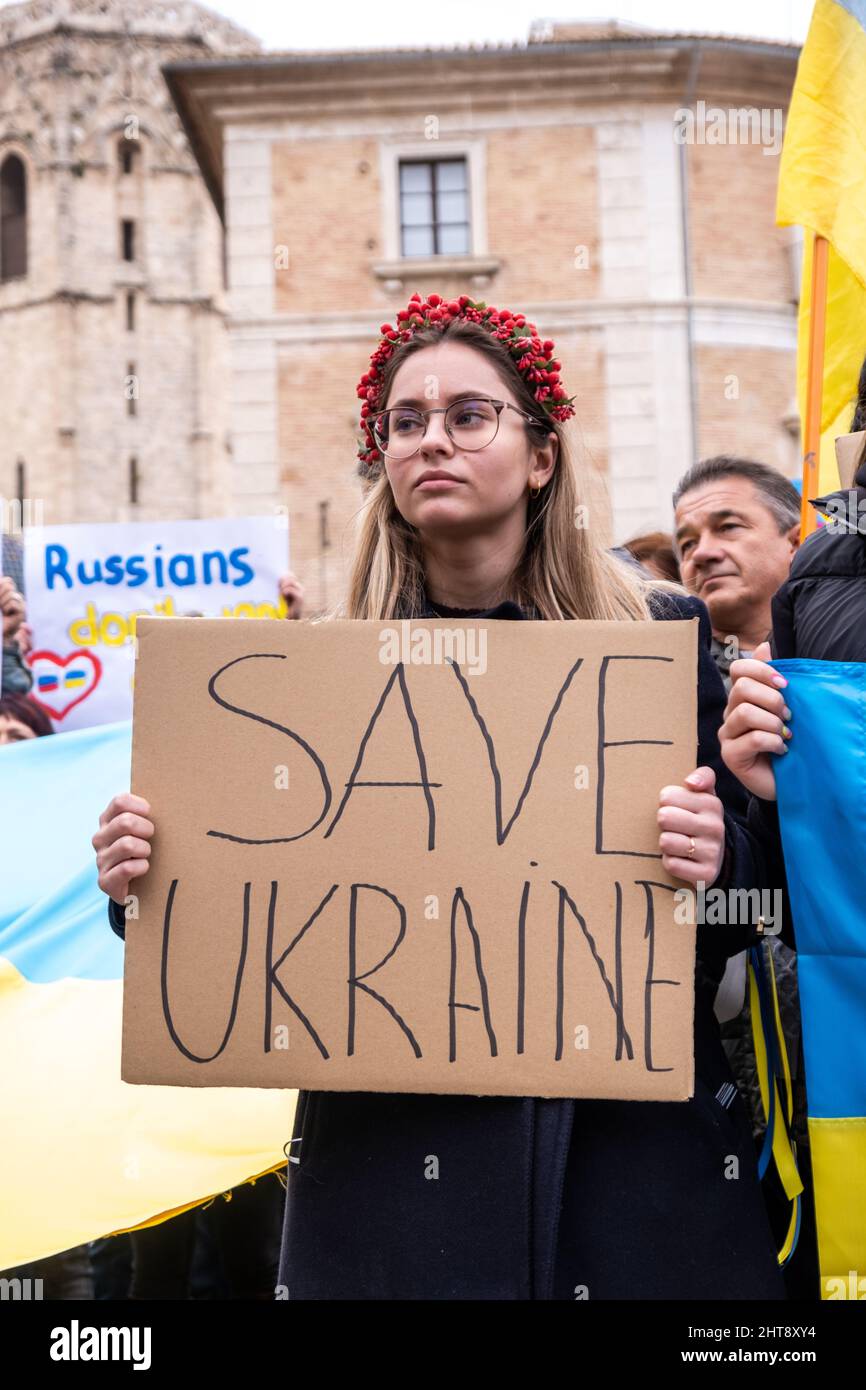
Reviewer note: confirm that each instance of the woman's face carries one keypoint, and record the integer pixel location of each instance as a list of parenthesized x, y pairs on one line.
[(12, 730), (485, 487)]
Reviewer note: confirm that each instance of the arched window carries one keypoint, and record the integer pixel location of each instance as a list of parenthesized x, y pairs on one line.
[(13, 218)]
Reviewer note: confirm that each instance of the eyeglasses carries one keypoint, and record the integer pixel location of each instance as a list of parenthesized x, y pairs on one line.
[(471, 424)]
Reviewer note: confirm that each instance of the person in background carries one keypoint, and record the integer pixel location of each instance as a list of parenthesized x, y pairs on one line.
[(737, 529), (24, 638), (12, 559), (817, 611), (16, 676), (655, 551), (816, 616), (292, 591), (21, 718)]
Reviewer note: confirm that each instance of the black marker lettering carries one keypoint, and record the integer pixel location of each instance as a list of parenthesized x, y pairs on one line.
[(648, 885), (502, 832), (260, 719), (239, 973), (399, 674), (620, 1037), (272, 966), (354, 980), (521, 965), (615, 1000), (618, 743), (453, 1005)]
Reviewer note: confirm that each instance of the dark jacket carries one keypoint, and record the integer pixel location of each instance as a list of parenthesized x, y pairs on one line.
[(820, 611), (818, 614), (537, 1198), (17, 678)]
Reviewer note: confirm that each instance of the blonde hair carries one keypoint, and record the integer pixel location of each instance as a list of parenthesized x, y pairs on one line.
[(562, 573)]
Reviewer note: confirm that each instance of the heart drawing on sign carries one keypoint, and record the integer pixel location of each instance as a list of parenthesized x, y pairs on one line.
[(62, 682)]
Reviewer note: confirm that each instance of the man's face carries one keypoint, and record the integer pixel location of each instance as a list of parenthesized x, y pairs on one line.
[(732, 554)]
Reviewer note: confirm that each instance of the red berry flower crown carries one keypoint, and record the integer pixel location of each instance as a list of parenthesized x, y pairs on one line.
[(532, 357)]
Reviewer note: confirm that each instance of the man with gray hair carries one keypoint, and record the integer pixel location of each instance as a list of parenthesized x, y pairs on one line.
[(737, 528)]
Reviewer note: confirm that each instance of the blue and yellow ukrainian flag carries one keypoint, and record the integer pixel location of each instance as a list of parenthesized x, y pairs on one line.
[(84, 1154), (822, 187), (822, 812)]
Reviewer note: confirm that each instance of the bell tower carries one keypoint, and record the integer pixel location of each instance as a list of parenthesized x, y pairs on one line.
[(113, 354)]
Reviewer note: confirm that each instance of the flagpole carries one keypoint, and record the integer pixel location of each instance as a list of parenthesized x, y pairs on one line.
[(815, 383)]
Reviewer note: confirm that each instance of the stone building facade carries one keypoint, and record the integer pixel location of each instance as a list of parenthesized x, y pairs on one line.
[(558, 177), (113, 345)]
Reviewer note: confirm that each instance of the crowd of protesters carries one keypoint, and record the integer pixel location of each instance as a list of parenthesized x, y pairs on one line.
[(734, 545)]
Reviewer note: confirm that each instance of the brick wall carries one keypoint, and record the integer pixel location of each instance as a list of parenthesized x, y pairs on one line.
[(738, 252), (744, 395)]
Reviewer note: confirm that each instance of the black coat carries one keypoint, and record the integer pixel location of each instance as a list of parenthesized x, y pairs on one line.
[(820, 611), (819, 614), (538, 1198)]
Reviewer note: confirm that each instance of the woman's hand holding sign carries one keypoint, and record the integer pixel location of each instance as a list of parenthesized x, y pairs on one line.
[(692, 822), (122, 844), (755, 722)]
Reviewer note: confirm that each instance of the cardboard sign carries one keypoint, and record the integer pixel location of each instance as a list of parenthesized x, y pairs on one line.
[(411, 857), (849, 453), (88, 585)]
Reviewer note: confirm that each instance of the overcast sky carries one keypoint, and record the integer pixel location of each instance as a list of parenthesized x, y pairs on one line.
[(396, 23)]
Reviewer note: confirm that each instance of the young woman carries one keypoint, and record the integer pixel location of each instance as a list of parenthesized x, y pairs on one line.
[(470, 511)]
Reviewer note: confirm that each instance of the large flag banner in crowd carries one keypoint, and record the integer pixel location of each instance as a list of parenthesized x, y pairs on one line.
[(821, 799), (84, 1154), (88, 585), (822, 188)]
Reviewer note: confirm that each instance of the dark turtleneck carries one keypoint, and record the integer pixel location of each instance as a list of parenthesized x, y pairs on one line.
[(507, 610)]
